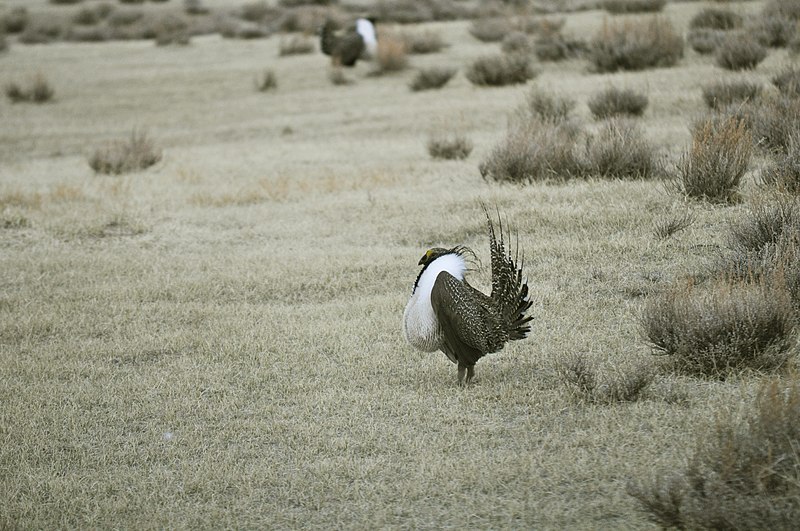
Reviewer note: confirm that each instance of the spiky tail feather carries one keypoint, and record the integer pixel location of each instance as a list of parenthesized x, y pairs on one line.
[(509, 289)]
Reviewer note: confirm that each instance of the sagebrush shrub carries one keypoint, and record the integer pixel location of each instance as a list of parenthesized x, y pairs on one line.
[(773, 122), (743, 472), (740, 52), (665, 227), (774, 31), (716, 18), (635, 45), (617, 102), (581, 376), (423, 42), (516, 42), (415, 11), (722, 329), (503, 69), (431, 78), (123, 156), (554, 46), (172, 30), (449, 146), (705, 41), (718, 159), (721, 94), (38, 90), (491, 29), (620, 150), (783, 171), (534, 151), (295, 45), (267, 81), (14, 21), (633, 6), (549, 107), (41, 32)]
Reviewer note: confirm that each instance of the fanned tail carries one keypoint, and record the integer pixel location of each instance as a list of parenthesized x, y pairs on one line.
[(509, 288)]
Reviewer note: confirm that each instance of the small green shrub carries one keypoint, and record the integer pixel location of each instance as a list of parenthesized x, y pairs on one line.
[(721, 94), (705, 41), (722, 329), (549, 108), (635, 45), (454, 146), (788, 81), (742, 472), (740, 52), (719, 157), (633, 6), (423, 42), (431, 78), (716, 18), (534, 151), (491, 29), (620, 150), (617, 102), (295, 45), (499, 70), (136, 153)]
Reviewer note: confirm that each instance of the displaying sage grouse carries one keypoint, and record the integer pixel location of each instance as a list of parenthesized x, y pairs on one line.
[(345, 49), (448, 314)]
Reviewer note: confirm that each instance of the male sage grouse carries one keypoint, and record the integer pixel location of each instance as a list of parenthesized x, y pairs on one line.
[(345, 49), (448, 314)]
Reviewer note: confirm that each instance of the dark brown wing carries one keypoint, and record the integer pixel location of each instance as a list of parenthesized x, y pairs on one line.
[(470, 326)]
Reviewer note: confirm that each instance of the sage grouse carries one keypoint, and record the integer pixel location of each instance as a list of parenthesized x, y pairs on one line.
[(344, 49), (448, 314)]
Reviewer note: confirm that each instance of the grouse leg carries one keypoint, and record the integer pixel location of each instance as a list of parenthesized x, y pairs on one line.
[(470, 374), (461, 370)]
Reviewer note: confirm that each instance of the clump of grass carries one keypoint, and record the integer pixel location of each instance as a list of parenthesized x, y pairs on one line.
[(705, 41), (722, 329), (96, 33), (633, 6), (123, 156), (295, 45), (124, 17), (635, 45), (86, 16), (665, 227), (721, 94), (391, 55), (499, 70), (432, 78), (617, 102), (453, 146), (718, 159), (555, 46), (172, 30), (534, 151), (491, 29), (37, 91), (773, 122), (740, 52), (783, 172), (548, 107), (742, 473), (581, 376), (516, 42), (423, 42), (773, 31), (620, 150), (267, 81), (194, 7), (41, 32), (716, 18), (788, 81)]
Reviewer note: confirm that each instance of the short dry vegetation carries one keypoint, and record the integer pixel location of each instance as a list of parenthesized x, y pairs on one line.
[(491, 29), (449, 146), (716, 18), (422, 42), (267, 81), (433, 77), (499, 70), (718, 159), (295, 45), (392, 55), (617, 102), (136, 153), (635, 44), (583, 378), (722, 94), (740, 52), (37, 90), (742, 473), (705, 41), (633, 6), (620, 150)]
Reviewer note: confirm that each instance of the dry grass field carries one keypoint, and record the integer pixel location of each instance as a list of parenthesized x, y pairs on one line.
[(215, 341)]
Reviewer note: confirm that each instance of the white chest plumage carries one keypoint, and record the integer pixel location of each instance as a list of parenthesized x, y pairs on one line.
[(420, 326)]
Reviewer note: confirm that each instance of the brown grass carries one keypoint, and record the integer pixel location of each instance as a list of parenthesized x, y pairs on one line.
[(391, 56), (136, 153), (635, 44), (718, 159)]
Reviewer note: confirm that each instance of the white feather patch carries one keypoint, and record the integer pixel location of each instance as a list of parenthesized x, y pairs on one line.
[(419, 322)]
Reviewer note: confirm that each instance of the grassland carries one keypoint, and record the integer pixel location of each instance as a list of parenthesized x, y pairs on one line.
[(216, 341)]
